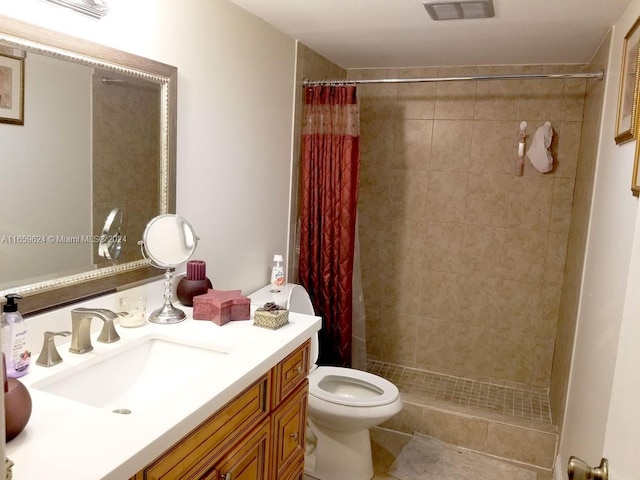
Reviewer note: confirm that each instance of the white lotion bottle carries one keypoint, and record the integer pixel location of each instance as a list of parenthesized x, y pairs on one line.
[(15, 342), (277, 272)]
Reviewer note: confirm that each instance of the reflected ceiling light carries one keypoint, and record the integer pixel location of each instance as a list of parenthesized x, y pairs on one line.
[(459, 9)]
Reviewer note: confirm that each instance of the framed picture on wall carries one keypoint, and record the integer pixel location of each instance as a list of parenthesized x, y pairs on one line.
[(628, 93), (11, 89)]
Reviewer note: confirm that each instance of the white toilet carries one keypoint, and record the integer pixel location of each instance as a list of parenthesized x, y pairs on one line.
[(344, 404)]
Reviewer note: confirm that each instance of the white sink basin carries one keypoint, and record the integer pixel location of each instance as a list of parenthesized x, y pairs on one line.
[(139, 373)]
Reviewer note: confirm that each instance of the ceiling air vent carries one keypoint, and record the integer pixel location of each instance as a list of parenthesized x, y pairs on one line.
[(459, 9)]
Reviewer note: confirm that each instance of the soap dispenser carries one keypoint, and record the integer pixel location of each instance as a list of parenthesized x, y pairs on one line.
[(15, 342)]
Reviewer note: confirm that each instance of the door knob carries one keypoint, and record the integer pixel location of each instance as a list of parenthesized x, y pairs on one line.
[(579, 470)]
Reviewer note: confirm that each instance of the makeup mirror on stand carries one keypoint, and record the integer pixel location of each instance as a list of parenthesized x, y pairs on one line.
[(167, 241)]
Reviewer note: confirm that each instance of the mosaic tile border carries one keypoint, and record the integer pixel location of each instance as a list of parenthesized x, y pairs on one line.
[(522, 403)]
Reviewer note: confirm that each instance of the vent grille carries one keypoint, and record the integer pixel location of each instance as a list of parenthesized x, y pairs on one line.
[(460, 9)]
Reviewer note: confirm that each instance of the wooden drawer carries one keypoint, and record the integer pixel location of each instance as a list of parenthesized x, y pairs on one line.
[(290, 372), (198, 450), (289, 427), (249, 460), (295, 472)]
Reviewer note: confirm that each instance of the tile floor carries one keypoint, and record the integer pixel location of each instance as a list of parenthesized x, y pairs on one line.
[(387, 444)]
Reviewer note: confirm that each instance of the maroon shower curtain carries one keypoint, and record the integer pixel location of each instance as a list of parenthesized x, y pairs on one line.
[(329, 191)]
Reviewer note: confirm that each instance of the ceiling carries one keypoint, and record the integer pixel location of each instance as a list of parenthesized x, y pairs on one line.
[(400, 33)]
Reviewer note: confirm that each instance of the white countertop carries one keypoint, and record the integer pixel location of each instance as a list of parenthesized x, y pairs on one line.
[(67, 440)]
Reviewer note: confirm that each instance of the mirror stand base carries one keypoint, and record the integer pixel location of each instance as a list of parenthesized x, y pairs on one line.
[(168, 314)]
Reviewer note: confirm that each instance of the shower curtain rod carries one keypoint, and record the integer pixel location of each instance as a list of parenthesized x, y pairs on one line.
[(314, 83)]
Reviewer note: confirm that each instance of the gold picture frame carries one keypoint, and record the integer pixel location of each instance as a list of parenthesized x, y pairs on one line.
[(628, 92), (635, 177), (11, 89)]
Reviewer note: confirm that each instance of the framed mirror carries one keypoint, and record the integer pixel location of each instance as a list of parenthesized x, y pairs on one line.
[(97, 132)]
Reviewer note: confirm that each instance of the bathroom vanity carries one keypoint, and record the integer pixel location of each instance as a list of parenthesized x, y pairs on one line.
[(238, 413), (260, 434)]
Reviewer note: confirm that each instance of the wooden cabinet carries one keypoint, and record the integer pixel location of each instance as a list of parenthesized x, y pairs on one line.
[(259, 435)]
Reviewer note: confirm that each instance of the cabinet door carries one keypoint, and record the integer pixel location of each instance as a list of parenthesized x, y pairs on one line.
[(204, 445), (289, 428), (248, 461)]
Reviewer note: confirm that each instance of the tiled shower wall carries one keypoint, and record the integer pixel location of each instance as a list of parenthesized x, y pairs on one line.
[(463, 260)]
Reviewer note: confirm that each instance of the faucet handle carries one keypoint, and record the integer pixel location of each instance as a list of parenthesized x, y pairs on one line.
[(49, 355), (108, 334)]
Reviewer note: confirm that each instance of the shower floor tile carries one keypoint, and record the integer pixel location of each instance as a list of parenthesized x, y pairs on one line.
[(517, 403)]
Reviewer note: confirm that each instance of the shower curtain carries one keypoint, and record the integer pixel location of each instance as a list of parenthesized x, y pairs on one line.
[(328, 198)]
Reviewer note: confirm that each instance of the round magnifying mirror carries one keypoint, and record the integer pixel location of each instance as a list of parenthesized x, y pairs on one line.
[(168, 240)]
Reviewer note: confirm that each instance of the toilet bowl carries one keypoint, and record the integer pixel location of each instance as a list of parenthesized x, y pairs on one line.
[(344, 404)]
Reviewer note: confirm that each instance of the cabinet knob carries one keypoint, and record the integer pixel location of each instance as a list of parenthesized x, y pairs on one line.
[(228, 476), (294, 436), (299, 369)]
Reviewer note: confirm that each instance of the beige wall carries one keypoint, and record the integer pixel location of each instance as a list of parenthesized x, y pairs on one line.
[(601, 415), (236, 78), (580, 214), (463, 260)]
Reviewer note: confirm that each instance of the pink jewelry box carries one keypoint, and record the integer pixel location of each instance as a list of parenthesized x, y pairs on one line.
[(221, 306)]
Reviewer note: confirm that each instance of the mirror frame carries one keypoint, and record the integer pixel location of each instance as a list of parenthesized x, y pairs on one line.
[(68, 289)]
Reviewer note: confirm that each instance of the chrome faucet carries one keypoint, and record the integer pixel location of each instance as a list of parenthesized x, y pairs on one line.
[(49, 356), (81, 328)]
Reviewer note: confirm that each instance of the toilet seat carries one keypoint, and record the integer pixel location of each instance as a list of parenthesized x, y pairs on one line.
[(325, 383)]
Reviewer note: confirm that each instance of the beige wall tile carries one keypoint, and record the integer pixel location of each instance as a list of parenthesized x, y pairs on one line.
[(497, 100), (487, 199), (524, 254), (451, 145), (416, 100), (482, 249), (479, 302), (513, 357), (468, 432), (568, 141), (399, 348), (574, 96), (378, 101), (455, 100), (437, 340), (556, 257), (529, 204), (440, 294), (561, 203), (551, 296), (521, 444), (541, 101), (377, 137), (493, 147), (519, 304), (447, 197), (442, 246), (412, 145)]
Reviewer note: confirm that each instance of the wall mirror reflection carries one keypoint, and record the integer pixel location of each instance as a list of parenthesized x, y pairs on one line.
[(98, 134)]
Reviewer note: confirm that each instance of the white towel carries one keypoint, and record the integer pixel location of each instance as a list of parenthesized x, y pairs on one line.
[(538, 153)]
